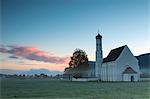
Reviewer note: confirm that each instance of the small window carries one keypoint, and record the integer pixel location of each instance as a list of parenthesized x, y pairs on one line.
[(97, 44)]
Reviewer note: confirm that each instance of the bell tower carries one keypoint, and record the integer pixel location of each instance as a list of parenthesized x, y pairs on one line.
[(99, 56)]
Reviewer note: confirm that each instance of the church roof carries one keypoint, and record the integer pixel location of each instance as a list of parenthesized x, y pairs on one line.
[(98, 36), (129, 70), (114, 54)]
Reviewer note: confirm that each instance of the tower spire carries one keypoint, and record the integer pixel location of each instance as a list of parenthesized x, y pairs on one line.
[(99, 56)]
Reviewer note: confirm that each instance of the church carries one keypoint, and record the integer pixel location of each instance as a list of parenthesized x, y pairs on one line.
[(119, 65)]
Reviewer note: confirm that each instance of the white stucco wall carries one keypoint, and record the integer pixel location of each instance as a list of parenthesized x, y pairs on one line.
[(127, 77), (108, 71), (91, 73)]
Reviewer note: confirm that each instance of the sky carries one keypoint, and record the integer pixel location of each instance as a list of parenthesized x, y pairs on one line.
[(44, 33)]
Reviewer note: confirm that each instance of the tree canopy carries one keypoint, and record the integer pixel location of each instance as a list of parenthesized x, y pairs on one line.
[(79, 57)]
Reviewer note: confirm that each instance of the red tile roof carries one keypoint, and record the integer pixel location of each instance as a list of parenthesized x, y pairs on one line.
[(114, 54), (129, 70)]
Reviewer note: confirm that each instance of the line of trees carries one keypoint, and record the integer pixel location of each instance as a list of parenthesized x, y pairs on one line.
[(42, 75)]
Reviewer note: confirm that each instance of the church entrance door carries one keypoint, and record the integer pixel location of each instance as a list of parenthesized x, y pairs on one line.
[(132, 78)]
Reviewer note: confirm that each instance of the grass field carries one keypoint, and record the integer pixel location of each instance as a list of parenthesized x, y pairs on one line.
[(53, 88)]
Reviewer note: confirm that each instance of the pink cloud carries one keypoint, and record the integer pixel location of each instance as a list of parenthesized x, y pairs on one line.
[(3, 50), (32, 53)]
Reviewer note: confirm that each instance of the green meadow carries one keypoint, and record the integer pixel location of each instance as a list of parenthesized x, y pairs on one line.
[(61, 89)]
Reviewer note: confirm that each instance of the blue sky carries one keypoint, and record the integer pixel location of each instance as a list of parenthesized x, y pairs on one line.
[(60, 26)]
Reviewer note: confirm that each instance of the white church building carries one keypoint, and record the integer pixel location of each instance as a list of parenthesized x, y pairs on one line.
[(119, 65)]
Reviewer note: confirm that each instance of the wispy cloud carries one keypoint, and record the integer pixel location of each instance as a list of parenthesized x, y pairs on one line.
[(32, 53), (13, 57)]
